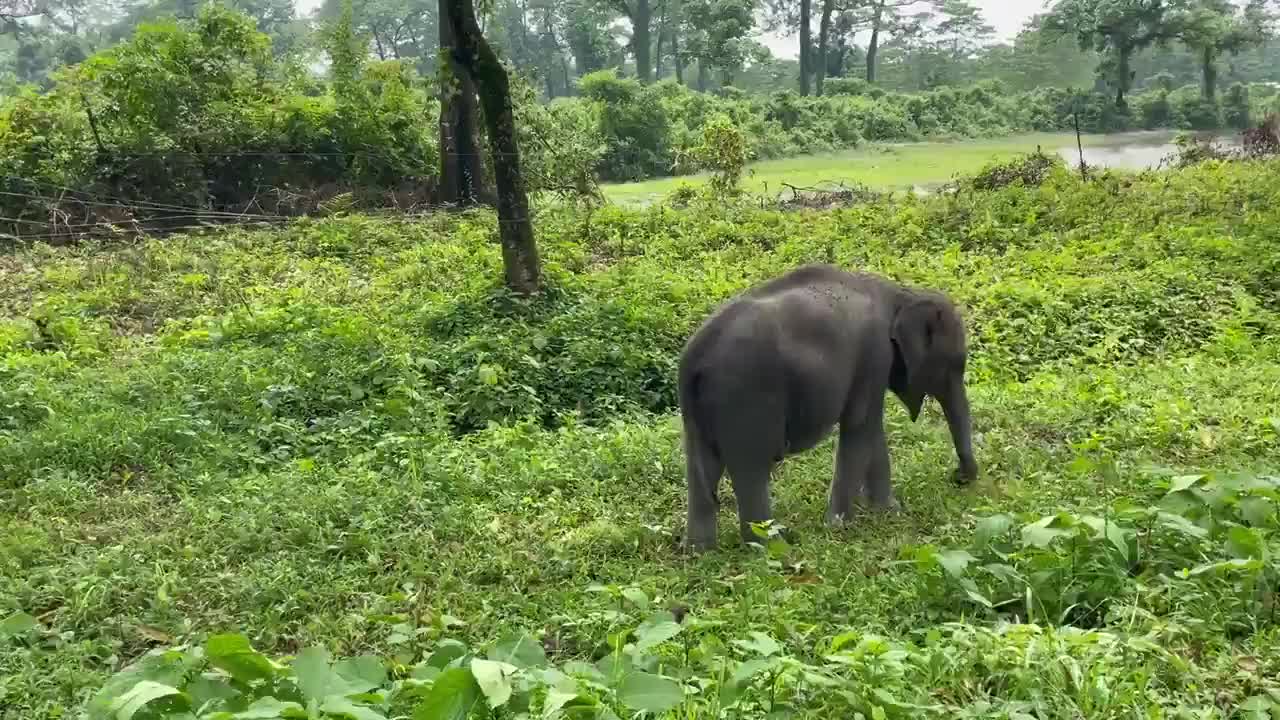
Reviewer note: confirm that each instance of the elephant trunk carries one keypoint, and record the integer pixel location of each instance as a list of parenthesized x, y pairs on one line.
[(955, 405)]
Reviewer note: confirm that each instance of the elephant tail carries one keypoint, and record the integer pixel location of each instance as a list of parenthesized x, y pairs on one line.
[(702, 458)]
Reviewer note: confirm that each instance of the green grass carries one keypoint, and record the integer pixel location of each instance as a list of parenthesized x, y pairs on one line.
[(886, 167), (342, 433)]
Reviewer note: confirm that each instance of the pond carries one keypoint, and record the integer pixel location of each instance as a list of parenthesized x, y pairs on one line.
[(1136, 150)]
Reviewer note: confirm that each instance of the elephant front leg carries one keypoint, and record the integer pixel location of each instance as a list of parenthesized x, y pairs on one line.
[(879, 489)]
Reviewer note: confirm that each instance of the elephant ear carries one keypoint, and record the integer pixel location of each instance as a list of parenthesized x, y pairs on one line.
[(915, 328)]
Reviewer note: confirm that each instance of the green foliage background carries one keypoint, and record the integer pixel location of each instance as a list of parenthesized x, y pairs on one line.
[(344, 433), (202, 117)]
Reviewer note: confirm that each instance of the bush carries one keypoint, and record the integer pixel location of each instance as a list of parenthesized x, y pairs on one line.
[(633, 122), (1193, 111), (845, 86), (344, 433), (203, 120), (207, 123), (1156, 110), (1236, 107)]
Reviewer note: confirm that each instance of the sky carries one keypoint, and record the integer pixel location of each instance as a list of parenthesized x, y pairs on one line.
[(1006, 16)]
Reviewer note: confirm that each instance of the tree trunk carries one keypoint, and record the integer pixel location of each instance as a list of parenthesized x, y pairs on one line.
[(873, 45), (824, 36), (641, 45), (704, 76), (461, 171), (1209, 71), (662, 35), (806, 62), (676, 56), (477, 60), (1123, 75)]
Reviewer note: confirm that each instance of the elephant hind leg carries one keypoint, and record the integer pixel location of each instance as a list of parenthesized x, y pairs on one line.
[(703, 470), (751, 488)]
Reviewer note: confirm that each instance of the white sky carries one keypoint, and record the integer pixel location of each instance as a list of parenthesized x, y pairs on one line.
[(1006, 16)]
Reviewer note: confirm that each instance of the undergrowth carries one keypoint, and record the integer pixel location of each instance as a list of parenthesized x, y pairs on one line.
[(333, 471)]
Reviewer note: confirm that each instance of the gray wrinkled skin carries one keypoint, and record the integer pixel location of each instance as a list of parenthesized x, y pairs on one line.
[(772, 371)]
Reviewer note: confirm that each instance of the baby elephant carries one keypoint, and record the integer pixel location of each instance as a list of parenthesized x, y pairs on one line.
[(774, 369)]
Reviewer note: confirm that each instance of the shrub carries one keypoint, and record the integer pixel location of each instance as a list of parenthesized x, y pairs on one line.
[(1193, 111), (1236, 106)]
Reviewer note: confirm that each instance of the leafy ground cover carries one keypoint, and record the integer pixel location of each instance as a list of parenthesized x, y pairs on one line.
[(331, 470)]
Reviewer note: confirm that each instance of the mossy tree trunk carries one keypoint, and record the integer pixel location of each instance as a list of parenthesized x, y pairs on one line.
[(477, 61), (806, 60), (461, 166), (824, 39)]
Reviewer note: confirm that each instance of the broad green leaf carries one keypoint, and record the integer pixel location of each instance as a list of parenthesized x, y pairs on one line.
[(233, 654), (742, 675), (844, 639), (978, 597), (269, 708), (749, 669), (614, 667), (1243, 542), (645, 692), (954, 562), (451, 696), (521, 651), (361, 674), (971, 589), (446, 652), (759, 643), (1042, 533), (1259, 707), (990, 528), (565, 693), (657, 629), (1237, 564), (17, 624), (636, 597), (128, 704), (312, 674), (1115, 534), (1258, 511), (587, 670), (494, 679), (556, 699), (338, 705), (1184, 482), (1182, 525), (204, 689)]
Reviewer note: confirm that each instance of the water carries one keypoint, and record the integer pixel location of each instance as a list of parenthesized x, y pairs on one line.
[(1137, 150)]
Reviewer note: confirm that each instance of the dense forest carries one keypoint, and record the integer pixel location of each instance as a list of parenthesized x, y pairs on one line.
[(191, 114), (897, 45)]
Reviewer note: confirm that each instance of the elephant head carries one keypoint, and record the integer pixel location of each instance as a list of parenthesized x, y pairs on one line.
[(930, 352)]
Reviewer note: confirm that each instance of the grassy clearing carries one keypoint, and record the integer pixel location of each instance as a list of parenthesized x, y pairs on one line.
[(882, 166), (342, 434)]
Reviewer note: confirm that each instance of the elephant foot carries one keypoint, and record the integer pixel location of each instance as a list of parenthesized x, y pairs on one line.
[(965, 474), (699, 540), (890, 505), (837, 521), (693, 546)]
